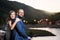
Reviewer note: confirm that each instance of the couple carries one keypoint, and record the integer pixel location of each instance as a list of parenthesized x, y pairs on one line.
[(16, 25)]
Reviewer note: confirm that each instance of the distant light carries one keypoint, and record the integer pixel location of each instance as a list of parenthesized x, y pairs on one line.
[(35, 20), (38, 21), (24, 21), (46, 19)]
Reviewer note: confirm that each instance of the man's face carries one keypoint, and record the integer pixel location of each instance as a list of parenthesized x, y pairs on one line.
[(21, 13)]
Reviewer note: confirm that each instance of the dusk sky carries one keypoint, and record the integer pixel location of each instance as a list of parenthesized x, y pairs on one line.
[(47, 5)]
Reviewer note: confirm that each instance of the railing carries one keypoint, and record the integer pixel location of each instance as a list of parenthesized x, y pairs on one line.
[(2, 35)]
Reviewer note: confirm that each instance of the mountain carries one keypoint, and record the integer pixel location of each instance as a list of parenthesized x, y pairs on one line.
[(30, 12)]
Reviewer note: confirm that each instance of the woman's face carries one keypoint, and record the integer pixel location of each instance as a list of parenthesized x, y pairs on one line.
[(12, 15)]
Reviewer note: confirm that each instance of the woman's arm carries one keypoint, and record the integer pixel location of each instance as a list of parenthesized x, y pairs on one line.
[(13, 25)]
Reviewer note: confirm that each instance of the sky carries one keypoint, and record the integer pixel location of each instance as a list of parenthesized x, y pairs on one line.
[(47, 5)]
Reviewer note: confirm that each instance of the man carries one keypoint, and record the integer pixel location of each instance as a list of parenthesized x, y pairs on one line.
[(20, 26)]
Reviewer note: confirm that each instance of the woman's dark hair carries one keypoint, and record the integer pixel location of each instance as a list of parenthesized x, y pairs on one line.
[(11, 11)]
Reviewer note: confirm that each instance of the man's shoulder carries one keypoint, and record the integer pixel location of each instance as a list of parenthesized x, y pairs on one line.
[(19, 19)]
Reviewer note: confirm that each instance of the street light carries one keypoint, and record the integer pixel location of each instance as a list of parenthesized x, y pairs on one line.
[(34, 20), (24, 21)]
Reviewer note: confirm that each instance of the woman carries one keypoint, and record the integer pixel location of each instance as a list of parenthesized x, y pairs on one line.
[(12, 25), (12, 17)]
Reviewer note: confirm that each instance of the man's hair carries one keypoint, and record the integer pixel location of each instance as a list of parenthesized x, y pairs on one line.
[(19, 9)]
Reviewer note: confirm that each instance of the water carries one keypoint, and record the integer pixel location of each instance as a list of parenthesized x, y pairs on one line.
[(55, 31)]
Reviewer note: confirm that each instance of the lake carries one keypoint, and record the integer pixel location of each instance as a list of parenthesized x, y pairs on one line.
[(55, 31)]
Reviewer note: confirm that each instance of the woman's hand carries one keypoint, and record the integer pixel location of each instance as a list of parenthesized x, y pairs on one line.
[(13, 25), (17, 19)]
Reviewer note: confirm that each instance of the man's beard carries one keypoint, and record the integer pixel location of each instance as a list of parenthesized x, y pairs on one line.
[(20, 17)]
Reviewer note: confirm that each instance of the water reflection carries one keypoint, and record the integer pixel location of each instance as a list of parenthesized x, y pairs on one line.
[(54, 31)]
